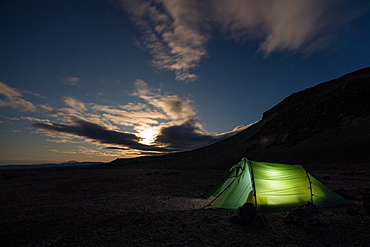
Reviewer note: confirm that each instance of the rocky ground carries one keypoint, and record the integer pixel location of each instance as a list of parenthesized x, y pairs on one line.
[(158, 207)]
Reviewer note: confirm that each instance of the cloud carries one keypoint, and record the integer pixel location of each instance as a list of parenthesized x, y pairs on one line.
[(101, 134), (36, 119), (162, 124), (190, 135), (128, 115), (10, 118), (129, 121), (174, 106), (19, 104), (72, 80), (280, 25), (184, 136), (75, 104), (45, 109), (165, 123), (134, 106), (9, 92), (176, 33), (13, 99), (114, 148), (35, 94), (236, 130), (85, 151), (61, 139), (33, 119), (172, 32)]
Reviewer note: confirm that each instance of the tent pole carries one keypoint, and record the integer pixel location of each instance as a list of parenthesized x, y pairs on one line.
[(253, 184), (209, 204), (309, 180), (237, 174)]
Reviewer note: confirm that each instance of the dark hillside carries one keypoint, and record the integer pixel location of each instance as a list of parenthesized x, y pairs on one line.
[(328, 124)]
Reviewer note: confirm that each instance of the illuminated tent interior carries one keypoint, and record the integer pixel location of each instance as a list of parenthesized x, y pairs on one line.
[(271, 187)]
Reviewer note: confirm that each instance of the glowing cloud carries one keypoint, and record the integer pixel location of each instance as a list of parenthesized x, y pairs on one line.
[(174, 106), (163, 123)]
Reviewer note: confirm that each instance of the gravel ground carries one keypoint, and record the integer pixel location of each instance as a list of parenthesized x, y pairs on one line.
[(144, 207)]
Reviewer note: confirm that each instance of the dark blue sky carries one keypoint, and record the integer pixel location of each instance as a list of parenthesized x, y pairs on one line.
[(97, 80)]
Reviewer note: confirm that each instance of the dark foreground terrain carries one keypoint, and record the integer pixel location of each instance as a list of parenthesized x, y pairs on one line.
[(142, 207)]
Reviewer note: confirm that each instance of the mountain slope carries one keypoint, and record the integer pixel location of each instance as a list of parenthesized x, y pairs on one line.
[(326, 124)]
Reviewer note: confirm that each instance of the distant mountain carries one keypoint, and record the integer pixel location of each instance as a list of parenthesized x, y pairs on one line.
[(72, 164), (326, 124)]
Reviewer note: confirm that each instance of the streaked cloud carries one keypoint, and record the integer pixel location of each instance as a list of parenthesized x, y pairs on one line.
[(176, 32), (75, 104), (280, 25), (9, 92), (10, 118), (172, 32), (72, 80), (134, 106), (13, 99), (114, 148), (81, 150), (35, 119), (19, 104), (58, 138), (35, 94)]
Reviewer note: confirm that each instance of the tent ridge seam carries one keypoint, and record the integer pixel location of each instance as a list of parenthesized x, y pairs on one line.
[(253, 182)]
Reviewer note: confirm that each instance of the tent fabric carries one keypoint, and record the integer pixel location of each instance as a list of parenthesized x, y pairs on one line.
[(271, 187), (234, 188)]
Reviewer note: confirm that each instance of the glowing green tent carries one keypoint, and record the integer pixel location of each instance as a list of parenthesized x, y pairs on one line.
[(271, 187)]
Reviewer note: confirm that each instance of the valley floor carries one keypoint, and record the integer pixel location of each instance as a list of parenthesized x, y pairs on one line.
[(143, 207)]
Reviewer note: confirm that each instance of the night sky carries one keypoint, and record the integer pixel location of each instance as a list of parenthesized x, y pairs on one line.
[(95, 80)]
